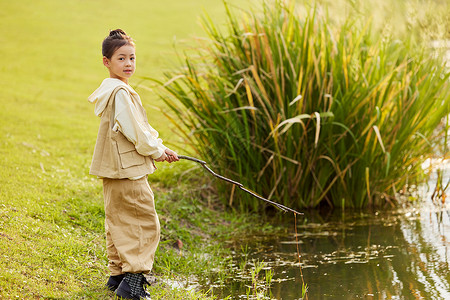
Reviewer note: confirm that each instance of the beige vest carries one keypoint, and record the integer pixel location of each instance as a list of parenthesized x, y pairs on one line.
[(115, 156)]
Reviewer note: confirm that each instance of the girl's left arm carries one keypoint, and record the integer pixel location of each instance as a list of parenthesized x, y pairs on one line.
[(144, 138)]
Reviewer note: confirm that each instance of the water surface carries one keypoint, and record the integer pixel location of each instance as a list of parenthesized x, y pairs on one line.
[(401, 253)]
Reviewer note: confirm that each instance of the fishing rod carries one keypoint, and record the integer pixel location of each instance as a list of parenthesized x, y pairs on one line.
[(239, 185)]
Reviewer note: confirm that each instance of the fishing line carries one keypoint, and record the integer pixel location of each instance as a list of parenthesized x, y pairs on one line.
[(278, 205), (299, 257)]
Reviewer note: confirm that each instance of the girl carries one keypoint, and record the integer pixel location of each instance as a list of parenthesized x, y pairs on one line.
[(124, 155)]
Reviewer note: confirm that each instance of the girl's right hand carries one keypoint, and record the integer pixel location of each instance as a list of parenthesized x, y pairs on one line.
[(172, 156), (163, 157)]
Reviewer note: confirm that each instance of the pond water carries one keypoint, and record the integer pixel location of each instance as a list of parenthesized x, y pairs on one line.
[(401, 253)]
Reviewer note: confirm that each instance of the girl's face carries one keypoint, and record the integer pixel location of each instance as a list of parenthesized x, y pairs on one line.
[(122, 63)]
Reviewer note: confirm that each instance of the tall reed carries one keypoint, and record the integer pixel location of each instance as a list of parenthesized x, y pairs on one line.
[(305, 112)]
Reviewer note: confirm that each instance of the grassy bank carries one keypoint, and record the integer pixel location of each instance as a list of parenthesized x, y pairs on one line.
[(51, 210), (52, 246)]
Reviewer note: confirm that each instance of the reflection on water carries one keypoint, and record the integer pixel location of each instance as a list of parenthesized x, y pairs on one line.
[(401, 254), (393, 254)]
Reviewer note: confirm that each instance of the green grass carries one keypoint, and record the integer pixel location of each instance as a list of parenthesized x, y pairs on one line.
[(310, 110), (51, 210)]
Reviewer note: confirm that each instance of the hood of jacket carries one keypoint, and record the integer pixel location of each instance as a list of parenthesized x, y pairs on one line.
[(100, 96)]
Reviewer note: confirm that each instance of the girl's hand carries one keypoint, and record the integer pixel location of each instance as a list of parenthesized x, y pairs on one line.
[(171, 156), (163, 157)]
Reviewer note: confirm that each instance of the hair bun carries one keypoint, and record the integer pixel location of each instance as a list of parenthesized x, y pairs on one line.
[(118, 33), (116, 39)]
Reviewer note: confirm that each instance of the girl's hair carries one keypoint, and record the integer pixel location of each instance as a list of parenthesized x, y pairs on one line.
[(116, 39)]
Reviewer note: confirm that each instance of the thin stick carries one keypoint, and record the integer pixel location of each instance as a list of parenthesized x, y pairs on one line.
[(299, 258), (240, 185)]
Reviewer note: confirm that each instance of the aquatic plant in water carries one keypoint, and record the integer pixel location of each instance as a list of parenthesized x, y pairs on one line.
[(308, 111)]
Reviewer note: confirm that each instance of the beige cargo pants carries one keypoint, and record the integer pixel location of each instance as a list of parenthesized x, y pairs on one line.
[(131, 225)]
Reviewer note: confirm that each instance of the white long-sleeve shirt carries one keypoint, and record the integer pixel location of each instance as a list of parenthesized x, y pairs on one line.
[(143, 136)]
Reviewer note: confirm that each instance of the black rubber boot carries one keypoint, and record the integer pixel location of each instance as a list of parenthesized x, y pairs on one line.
[(132, 287), (114, 282)]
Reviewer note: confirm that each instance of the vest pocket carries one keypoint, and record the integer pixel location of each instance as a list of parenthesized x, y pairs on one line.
[(131, 158), (127, 154)]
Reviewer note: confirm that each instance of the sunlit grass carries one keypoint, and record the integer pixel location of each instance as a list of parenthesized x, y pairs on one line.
[(51, 211), (309, 110)]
